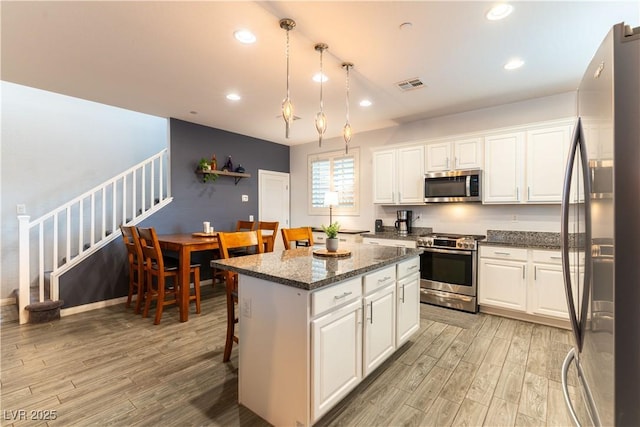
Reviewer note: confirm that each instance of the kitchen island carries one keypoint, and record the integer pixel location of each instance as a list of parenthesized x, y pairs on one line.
[(311, 328)]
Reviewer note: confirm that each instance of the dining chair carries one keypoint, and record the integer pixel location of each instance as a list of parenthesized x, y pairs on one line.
[(155, 266), (297, 235), (227, 241), (245, 225), (269, 239), (136, 266)]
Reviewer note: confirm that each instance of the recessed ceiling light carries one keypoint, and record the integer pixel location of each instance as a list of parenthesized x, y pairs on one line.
[(498, 12), (245, 36), (316, 78), (365, 103), (514, 64), (233, 97)]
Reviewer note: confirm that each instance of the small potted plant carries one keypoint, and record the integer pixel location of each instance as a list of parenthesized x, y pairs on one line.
[(205, 167), (332, 236)]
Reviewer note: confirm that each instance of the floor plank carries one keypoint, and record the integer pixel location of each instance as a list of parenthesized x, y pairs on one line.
[(112, 367)]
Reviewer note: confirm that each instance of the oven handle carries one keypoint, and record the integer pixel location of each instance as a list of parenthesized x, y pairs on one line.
[(447, 251)]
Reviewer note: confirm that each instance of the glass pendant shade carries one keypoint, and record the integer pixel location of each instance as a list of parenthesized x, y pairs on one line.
[(287, 107), (347, 132), (321, 119)]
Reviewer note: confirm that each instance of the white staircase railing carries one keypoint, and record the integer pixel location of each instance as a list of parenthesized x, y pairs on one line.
[(70, 233)]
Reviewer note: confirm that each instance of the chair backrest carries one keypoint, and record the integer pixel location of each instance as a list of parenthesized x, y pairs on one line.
[(245, 225), (269, 239), (132, 243), (240, 239), (296, 235), (151, 248)]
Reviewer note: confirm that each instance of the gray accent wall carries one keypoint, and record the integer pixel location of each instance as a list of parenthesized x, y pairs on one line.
[(104, 275)]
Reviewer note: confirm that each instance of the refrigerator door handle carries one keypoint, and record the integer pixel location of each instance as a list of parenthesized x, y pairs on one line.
[(564, 235), (565, 386)]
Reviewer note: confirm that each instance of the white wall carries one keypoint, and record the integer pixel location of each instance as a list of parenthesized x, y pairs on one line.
[(54, 148), (458, 218)]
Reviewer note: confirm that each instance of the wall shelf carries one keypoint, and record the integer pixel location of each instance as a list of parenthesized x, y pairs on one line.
[(237, 176)]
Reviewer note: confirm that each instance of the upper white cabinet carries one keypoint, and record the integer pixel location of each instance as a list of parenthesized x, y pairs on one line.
[(398, 176), (547, 150), (504, 167), (461, 154), (526, 166)]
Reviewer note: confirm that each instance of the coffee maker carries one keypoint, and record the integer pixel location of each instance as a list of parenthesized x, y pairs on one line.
[(403, 223)]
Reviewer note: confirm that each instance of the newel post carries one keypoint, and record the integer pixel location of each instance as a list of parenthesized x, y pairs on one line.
[(23, 266)]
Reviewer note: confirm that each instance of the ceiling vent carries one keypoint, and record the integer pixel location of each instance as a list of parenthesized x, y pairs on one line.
[(410, 84)]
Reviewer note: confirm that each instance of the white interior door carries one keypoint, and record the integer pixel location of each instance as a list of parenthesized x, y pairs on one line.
[(273, 203)]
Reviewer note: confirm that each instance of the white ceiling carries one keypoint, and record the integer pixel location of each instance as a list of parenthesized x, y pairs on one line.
[(170, 59)]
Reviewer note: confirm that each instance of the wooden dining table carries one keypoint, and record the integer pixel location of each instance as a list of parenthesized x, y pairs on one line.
[(184, 244)]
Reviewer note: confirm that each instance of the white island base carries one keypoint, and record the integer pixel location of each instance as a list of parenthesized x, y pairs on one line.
[(301, 352)]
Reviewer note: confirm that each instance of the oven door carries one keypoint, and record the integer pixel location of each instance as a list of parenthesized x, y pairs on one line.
[(449, 270)]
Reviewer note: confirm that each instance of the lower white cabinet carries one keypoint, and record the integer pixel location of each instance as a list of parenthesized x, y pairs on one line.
[(379, 327), (336, 342), (389, 242), (502, 278), (524, 280), (408, 310)]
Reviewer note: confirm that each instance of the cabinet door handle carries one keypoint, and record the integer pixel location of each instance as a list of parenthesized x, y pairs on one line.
[(503, 253), (523, 271), (413, 267), (374, 243), (535, 272), (555, 257), (371, 318), (343, 295), (403, 294), (456, 160), (384, 279), (528, 193), (518, 194), (342, 240)]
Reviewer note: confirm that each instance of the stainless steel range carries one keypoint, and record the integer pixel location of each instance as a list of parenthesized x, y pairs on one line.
[(449, 270)]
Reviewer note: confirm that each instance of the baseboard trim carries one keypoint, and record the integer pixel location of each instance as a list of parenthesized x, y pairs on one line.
[(103, 304), (7, 301), (557, 323)]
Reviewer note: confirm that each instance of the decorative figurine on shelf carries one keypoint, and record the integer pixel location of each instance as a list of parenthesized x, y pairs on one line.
[(228, 166), (214, 163), (240, 169)]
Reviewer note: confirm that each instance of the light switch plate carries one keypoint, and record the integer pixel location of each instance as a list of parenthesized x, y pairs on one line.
[(250, 217), (245, 198), (21, 209)]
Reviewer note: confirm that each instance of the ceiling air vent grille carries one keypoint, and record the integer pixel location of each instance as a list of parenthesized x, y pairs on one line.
[(410, 84)]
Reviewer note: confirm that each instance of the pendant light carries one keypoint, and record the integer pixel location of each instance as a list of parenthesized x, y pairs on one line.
[(287, 107), (321, 119), (346, 130)]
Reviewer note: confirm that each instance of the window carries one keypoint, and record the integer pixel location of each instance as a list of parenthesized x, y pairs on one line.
[(334, 171)]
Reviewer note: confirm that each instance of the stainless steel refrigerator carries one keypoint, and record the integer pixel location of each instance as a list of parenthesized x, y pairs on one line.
[(601, 238)]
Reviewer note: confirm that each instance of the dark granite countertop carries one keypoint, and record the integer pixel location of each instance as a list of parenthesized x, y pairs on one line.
[(301, 269), (341, 231), (391, 233), (522, 239)]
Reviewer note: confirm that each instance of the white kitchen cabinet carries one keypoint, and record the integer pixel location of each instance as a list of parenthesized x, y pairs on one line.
[(336, 343), (379, 338), (398, 175), (408, 310), (502, 278), (547, 295), (504, 168), (526, 166), (454, 155), (547, 150), (320, 238), (390, 242)]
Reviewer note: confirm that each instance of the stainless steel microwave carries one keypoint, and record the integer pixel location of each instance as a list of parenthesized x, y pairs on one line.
[(453, 186)]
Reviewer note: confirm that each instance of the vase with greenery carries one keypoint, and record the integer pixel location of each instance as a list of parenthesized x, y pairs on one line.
[(332, 236), (205, 167)]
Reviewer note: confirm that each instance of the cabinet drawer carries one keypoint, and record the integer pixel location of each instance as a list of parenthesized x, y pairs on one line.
[(503, 253), (389, 242), (379, 278), (408, 267), (336, 295), (548, 257)]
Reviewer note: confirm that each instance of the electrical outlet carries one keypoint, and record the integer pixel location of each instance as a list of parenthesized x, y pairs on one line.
[(21, 209), (514, 218), (245, 198), (250, 217), (246, 307)]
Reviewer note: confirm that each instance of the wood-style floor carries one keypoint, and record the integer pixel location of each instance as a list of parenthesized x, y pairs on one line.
[(111, 367)]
